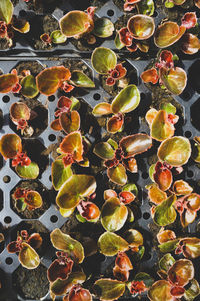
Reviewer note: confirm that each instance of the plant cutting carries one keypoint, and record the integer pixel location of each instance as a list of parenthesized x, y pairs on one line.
[(126, 101), (174, 79), (25, 246), (11, 148), (119, 158), (26, 198), (139, 29), (9, 23)]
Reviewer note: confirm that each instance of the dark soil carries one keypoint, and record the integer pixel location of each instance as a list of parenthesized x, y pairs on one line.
[(1, 118), (31, 284), (45, 194), (4, 44), (33, 66)]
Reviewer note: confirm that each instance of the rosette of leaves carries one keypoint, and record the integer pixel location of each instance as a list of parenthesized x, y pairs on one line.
[(177, 281), (144, 7), (25, 198), (119, 158), (170, 32), (174, 79), (126, 101), (188, 246), (10, 23), (65, 272), (11, 148), (139, 28), (25, 246), (104, 62)]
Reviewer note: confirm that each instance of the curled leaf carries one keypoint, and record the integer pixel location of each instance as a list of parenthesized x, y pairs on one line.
[(174, 80), (167, 34), (165, 214), (166, 262), (181, 272), (70, 122), (181, 187), (141, 27), (57, 37)]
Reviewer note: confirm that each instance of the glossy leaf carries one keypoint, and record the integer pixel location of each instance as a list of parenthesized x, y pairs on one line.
[(33, 199), (29, 88), (181, 187), (74, 189), (141, 27), (174, 80), (117, 174), (169, 246), (181, 272), (168, 107), (65, 243), (161, 128), (160, 290), (70, 122), (59, 270), (6, 11), (66, 212), (75, 23), (166, 262), (115, 123), (79, 79), (28, 257), (165, 214), (191, 247), (7, 81), (190, 43), (135, 144), (127, 100), (162, 176), (28, 172), (134, 238), (19, 110), (103, 60), (20, 25), (110, 244), (72, 143), (146, 278), (57, 37), (104, 150), (167, 34), (60, 173), (50, 79), (165, 235), (146, 7), (113, 214), (103, 28), (10, 145), (155, 194), (109, 289), (175, 151), (101, 109), (193, 291), (150, 76)]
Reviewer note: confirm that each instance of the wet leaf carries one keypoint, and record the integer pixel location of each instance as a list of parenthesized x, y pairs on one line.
[(127, 100), (117, 174), (72, 144), (50, 79), (141, 27), (165, 214), (6, 11), (134, 238), (167, 34), (60, 173), (174, 80), (146, 7), (191, 247), (110, 244), (57, 37), (28, 257), (28, 172), (70, 122), (74, 189), (181, 272), (175, 151), (7, 81), (169, 246), (29, 88), (181, 187), (103, 60), (155, 194), (66, 243), (102, 108), (113, 214), (135, 144), (193, 291), (166, 262), (75, 23), (108, 289), (79, 79), (161, 128), (33, 199), (103, 28), (160, 290), (104, 150)]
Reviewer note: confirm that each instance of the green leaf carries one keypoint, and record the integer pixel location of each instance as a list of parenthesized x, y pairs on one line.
[(110, 244), (28, 172), (193, 291), (113, 215), (103, 28), (104, 150), (6, 11), (108, 289), (152, 171), (160, 290), (165, 214), (166, 262), (79, 79), (66, 243), (131, 188), (168, 107), (146, 7), (161, 127), (118, 44), (127, 100), (60, 173), (169, 246), (174, 79), (146, 278), (29, 88), (75, 103), (101, 109), (28, 257), (57, 37), (117, 174), (20, 205), (103, 60), (113, 143)]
